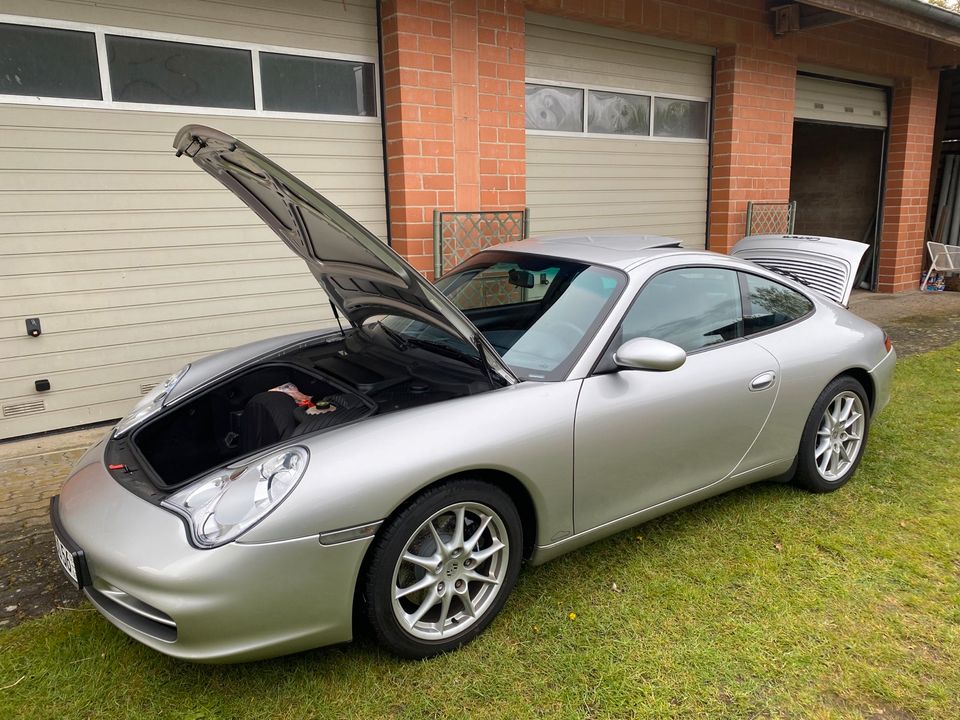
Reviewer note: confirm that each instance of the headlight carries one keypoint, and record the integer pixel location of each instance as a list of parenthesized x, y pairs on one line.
[(222, 506), (150, 403)]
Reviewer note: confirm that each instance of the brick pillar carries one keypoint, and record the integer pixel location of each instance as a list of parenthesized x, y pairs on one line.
[(502, 134), (907, 185), (753, 135), (453, 96), (418, 113)]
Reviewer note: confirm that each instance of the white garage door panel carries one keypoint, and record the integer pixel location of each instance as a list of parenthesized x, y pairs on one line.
[(237, 237), (67, 353), (579, 53), (834, 101), (589, 183), (63, 326), (363, 144), (136, 261), (82, 161), (65, 201), (195, 221), (341, 26), (137, 299), (40, 284), (157, 181)]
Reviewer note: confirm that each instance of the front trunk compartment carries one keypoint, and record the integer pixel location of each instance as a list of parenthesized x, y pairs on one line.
[(347, 379), (240, 416)]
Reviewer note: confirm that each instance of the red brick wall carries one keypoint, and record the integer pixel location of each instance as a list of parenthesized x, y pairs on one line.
[(503, 148), (907, 183), (453, 77), (752, 140), (454, 108)]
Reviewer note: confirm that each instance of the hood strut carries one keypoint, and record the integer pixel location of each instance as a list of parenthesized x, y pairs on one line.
[(336, 314)]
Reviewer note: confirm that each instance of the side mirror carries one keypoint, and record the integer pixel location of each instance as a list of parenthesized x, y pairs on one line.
[(644, 353)]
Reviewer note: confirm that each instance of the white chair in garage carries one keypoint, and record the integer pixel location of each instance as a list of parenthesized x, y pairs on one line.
[(943, 258)]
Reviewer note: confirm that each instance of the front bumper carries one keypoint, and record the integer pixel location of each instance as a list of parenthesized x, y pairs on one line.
[(237, 602)]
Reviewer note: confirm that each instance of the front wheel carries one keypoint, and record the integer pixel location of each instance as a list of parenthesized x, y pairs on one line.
[(834, 437), (443, 567)]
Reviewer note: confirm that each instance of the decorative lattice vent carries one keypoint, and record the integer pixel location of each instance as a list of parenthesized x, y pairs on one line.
[(30, 407), (459, 235), (765, 218)]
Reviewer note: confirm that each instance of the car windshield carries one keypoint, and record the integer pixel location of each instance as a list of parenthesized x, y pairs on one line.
[(537, 312)]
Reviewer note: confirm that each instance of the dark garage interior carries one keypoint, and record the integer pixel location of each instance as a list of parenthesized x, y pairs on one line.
[(835, 181)]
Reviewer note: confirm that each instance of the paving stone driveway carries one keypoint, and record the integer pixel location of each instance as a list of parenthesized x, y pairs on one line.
[(31, 471), (31, 582)]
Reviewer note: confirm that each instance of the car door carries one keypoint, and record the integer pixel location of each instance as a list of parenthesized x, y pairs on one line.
[(641, 437)]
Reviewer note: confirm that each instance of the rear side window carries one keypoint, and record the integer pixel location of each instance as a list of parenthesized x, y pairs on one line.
[(771, 304), (691, 307)]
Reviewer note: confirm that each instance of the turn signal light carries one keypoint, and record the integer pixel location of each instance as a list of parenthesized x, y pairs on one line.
[(887, 342)]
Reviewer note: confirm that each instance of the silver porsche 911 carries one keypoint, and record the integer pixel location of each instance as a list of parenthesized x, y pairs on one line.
[(397, 470)]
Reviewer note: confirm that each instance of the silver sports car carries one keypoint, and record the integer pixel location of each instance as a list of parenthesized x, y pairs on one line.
[(398, 469)]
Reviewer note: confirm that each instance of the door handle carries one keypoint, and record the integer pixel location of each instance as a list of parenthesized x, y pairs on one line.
[(763, 381)]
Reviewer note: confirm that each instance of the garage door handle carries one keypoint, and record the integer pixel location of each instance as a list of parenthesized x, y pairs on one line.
[(763, 380)]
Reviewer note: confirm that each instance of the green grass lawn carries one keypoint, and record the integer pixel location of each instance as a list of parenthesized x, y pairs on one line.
[(766, 602)]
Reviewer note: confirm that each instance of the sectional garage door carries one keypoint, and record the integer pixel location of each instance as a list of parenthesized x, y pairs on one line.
[(617, 129), (134, 261), (838, 102)]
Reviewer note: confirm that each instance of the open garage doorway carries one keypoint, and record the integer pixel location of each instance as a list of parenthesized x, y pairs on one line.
[(835, 179)]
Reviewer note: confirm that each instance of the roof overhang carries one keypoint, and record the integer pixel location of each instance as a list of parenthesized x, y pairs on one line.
[(940, 26)]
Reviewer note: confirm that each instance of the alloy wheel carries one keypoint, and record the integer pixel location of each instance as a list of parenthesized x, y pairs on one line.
[(839, 436), (450, 572)]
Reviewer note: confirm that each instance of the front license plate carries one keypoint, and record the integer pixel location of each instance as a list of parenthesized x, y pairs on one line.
[(67, 561), (71, 557)]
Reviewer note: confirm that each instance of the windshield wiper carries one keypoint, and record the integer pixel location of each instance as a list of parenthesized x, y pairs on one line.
[(399, 340), (447, 350)]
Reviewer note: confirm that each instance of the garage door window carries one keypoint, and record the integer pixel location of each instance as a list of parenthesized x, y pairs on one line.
[(618, 113), (173, 73), (52, 62), (295, 83), (611, 112), (554, 108), (48, 62), (680, 118)]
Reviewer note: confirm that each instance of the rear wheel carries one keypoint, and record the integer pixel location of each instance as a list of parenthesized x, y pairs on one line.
[(834, 436), (443, 567)]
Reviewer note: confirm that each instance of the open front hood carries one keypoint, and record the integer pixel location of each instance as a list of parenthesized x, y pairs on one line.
[(828, 265), (361, 275)]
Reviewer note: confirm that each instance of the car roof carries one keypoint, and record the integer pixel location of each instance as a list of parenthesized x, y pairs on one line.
[(620, 251)]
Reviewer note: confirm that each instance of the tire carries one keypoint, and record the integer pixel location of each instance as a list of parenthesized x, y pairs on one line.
[(834, 437), (455, 583)]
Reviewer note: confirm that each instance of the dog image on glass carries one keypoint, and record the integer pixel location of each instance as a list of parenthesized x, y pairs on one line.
[(618, 114), (554, 108)]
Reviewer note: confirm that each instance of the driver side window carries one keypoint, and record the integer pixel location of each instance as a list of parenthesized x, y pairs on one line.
[(692, 307)]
